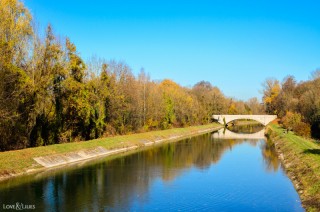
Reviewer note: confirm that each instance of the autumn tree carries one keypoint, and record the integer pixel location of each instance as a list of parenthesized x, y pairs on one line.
[(255, 107), (49, 95), (293, 121), (15, 37), (309, 104), (155, 107), (77, 109), (211, 100), (286, 100), (47, 74), (143, 95), (292, 98), (271, 90)]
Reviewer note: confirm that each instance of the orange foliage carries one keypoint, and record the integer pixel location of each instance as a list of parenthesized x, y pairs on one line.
[(302, 129)]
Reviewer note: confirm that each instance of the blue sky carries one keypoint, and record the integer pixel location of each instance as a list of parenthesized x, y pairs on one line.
[(233, 44)]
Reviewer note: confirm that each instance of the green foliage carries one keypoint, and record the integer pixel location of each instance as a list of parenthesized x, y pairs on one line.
[(169, 118)]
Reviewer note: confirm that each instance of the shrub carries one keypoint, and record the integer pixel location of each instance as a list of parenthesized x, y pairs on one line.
[(302, 129), (291, 119)]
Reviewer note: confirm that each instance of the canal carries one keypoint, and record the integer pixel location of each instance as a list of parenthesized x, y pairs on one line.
[(202, 173)]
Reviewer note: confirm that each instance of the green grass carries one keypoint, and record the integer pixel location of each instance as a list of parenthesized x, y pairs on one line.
[(302, 160), (20, 161)]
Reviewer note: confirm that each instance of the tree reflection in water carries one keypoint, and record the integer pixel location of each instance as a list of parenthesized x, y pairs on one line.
[(246, 129), (113, 183), (270, 156)]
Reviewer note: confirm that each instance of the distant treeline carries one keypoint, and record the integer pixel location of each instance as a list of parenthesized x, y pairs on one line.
[(297, 104), (49, 95)]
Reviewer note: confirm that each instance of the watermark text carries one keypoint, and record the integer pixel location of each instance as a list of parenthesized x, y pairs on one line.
[(18, 206)]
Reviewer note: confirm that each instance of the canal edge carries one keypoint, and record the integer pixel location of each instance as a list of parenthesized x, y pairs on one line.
[(113, 152), (291, 169)]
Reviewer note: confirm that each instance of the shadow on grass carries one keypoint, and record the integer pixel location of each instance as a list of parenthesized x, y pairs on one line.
[(312, 151)]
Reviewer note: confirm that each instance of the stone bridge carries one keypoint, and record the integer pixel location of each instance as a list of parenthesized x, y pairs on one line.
[(263, 119), (224, 133)]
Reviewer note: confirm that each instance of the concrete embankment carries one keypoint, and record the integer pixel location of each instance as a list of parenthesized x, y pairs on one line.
[(301, 159), (72, 157), (15, 163)]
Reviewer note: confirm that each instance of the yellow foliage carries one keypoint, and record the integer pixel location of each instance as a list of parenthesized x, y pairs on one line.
[(232, 109), (272, 91)]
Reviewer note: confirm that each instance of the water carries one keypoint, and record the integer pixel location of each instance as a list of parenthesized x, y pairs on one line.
[(196, 174)]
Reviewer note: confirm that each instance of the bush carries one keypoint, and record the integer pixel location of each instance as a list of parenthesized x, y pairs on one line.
[(290, 120), (302, 129), (293, 121)]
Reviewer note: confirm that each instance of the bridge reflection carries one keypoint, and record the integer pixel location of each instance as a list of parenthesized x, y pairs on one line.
[(116, 181), (227, 134)]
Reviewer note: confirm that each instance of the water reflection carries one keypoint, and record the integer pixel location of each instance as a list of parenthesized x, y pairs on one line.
[(270, 157), (125, 183), (227, 134), (246, 129)]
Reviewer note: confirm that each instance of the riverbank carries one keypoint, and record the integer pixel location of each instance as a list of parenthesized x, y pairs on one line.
[(19, 162), (301, 158)]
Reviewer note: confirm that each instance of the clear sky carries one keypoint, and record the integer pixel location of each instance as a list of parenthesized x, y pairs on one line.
[(233, 44)]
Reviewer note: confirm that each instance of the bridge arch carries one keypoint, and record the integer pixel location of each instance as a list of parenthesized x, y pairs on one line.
[(263, 119)]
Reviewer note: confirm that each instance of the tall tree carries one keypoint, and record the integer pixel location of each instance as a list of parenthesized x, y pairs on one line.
[(143, 84), (15, 37), (77, 108), (271, 90), (255, 106), (47, 75)]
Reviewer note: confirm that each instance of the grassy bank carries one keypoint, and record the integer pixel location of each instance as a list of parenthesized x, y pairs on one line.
[(13, 163), (301, 158)]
